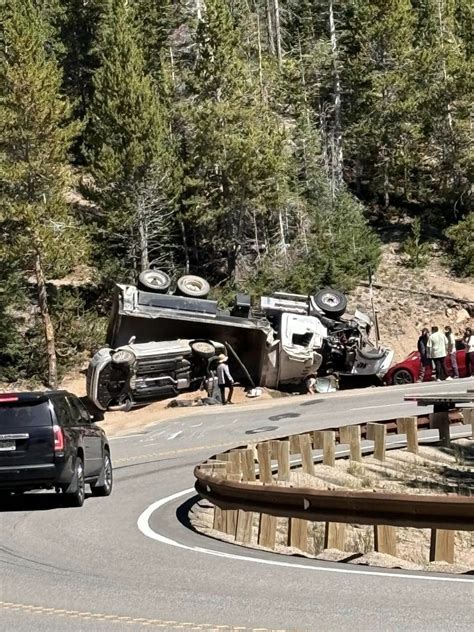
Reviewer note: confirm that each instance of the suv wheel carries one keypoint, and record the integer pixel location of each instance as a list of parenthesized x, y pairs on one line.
[(203, 349), (104, 484), (76, 497)]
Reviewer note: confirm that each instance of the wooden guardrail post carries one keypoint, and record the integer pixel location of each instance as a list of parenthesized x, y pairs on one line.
[(298, 534), (409, 427), (351, 435), (264, 462), (267, 531), (248, 465), (326, 440), (440, 421), (468, 418), (377, 434), (385, 539), (334, 535), (283, 458), (294, 444), (244, 530), (442, 545), (306, 454)]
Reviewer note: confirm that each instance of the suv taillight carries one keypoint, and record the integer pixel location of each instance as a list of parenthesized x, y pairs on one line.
[(58, 438)]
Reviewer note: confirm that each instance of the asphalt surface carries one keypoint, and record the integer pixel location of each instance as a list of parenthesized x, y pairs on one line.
[(95, 568)]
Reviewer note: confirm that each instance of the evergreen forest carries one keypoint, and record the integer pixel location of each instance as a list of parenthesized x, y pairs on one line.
[(257, 143)]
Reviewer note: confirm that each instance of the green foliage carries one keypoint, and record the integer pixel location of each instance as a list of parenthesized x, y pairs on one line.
[(36, 135), (416, 250), (196, 144), (126, 136), (462, 245)]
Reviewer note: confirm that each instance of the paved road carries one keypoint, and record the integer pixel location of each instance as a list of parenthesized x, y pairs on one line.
[(95, 569)]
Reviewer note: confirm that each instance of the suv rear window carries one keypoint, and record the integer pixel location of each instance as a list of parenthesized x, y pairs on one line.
[(25, 414)]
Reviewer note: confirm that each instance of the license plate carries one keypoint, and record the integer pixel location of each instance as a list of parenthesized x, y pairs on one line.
[(7, 446)]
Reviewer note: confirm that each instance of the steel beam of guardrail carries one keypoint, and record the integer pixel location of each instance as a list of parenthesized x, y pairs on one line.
[(434, 512)]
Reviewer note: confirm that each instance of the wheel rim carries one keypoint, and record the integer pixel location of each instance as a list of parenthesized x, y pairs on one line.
[(156, 278), (329, 299), (402, 377), (107, 473), (80, 482), (193, 286)]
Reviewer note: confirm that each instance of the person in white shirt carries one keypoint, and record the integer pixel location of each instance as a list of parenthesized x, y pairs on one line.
[(448, 332), (437, 351), (224, 379), (469, 344)]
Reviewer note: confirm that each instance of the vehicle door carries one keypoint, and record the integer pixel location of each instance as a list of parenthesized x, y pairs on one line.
[(461, 358), (91, 437), (64, 419)]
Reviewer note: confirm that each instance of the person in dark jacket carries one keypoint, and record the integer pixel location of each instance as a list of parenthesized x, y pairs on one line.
[(423, 351)]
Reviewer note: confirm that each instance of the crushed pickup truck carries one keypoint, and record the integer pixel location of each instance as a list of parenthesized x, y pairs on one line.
[(159, 344)]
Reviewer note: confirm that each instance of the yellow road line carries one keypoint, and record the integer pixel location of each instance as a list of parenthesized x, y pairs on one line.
[(112, 618)]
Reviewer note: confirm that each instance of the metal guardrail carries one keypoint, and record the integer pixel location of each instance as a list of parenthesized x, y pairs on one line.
[(364, 507), (370, 508)]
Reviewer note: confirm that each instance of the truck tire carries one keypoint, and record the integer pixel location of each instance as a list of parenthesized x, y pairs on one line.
[(203, 349), (193, 286), (332, 302), (154, 280)]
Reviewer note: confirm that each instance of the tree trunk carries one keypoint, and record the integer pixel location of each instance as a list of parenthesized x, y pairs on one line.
[(47, 324), (276, 11), (260, 68), (271, 35), (143, 239), (337, 158), (185, 245)]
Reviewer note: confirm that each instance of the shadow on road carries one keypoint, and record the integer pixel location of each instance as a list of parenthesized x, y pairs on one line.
[(284, 416), (311, 402), (34, 502), (182, 512)]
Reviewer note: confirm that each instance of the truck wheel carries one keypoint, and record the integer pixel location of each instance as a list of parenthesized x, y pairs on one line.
[(194, 286), (203, 349), (331, 302), (76, 498), (105, 478), (154, 281)]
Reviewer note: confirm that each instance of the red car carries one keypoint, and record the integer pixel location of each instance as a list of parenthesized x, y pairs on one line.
[(408, 370)]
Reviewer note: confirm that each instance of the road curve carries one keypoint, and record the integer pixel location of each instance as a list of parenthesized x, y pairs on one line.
[(95, 568)]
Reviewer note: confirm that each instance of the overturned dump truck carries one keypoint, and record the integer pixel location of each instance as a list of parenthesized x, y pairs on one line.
[(159, 344)]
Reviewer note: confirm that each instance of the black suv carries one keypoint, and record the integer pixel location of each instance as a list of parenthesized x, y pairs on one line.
[(49, 440)]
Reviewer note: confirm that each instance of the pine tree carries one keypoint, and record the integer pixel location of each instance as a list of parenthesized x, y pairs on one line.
[(444, 76), (127, 142), (235, 161), (39, 232), (380, 114)]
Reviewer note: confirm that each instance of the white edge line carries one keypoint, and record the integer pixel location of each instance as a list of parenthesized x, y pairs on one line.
[(143, 524)]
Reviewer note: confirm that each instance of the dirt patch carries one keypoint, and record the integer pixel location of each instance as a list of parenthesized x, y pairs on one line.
[(401, 313)]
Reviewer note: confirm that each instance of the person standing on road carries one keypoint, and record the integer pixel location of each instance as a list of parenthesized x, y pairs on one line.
[(423, 351), (437, 350), (224, 379), (448, 332), (468, 340)]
